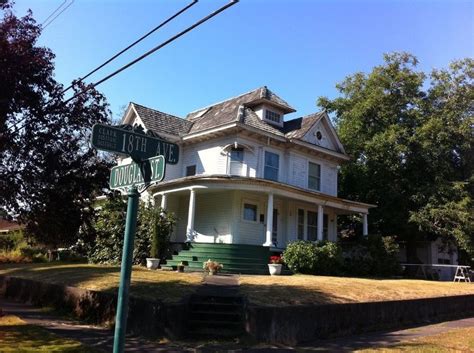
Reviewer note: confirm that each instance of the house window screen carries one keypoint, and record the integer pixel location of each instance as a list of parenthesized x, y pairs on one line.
[(300, 224), (190, 170), (236, 161), (312, 227), (272, 165), (272, 116), (325, 227), (250, 212), (314, 176)]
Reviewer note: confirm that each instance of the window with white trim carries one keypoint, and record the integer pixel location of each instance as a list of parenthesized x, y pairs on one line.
[(314, 176), (236, 161), (272, 166), (272, 116), (250, 212)]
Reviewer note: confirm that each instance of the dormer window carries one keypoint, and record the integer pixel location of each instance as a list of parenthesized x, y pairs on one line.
[(272, 117)]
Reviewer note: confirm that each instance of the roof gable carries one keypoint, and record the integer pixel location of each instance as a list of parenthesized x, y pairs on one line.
[(320, 132)]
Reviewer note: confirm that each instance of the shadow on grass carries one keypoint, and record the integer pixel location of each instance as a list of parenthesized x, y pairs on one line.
[(287, 295), (28, 338), (168, 287)]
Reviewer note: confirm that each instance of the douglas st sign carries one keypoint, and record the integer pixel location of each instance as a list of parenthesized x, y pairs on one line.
[(151, 170)]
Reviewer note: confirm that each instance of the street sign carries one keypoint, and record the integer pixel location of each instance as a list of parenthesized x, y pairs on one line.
[(136, 174), (133, 142)]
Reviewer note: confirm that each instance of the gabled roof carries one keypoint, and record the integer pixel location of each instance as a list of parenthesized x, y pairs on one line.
[(161, 122), (234, 111)]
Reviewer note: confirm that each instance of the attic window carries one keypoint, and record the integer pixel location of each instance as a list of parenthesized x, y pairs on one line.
[(319, 135), (272, 116)]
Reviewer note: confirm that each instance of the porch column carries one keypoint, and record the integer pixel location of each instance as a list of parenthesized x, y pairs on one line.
[(319, 233), (365, 225), (191, 209), (164, 202), (268, 237)]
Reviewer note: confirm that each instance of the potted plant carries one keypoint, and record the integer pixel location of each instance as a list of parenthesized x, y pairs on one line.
[(180, 267), (162, 227), (212, 267), (275, 265)]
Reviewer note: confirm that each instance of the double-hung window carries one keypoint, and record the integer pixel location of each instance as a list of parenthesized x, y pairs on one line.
[(312, 226), (236, 161), (250, 212), (314, 176), (272, 166)]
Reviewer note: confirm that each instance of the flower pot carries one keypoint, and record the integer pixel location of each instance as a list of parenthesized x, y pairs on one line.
[(274, 269), (152, 263)]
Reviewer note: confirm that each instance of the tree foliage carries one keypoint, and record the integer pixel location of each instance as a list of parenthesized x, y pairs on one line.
[(410, 136), (49, 173)]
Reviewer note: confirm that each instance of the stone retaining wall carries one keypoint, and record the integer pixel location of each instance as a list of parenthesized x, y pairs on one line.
[(295, 324)]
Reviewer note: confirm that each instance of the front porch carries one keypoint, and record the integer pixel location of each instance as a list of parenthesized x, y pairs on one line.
[(251, 211)]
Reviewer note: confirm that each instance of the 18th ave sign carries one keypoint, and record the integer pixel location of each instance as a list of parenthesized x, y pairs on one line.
[(139, 146), (136, 174)]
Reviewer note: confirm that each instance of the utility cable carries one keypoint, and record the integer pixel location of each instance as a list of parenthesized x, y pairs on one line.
[(52, 20), (52, 13), (134, 43), (115, 56), (198, 23)]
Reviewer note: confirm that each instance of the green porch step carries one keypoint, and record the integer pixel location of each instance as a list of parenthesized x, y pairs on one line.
[(236, 258)]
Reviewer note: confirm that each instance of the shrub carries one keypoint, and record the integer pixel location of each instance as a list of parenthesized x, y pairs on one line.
[(322, 257), (373, 255), (163, 225), (109, 228)]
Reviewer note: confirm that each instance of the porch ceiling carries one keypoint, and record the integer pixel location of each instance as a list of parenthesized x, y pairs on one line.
[(206, 183)]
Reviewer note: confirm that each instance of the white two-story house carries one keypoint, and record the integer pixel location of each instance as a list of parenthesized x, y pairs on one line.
[(247, 176)]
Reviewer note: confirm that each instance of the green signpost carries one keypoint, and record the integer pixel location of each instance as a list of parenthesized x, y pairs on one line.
[(149, 154)]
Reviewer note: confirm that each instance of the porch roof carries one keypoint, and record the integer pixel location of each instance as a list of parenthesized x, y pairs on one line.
[(233, 182)]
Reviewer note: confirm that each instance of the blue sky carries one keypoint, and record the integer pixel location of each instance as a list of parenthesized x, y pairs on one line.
[(299, 49)]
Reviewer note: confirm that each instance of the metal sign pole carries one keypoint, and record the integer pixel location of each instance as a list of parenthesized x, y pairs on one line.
[(126, 270)]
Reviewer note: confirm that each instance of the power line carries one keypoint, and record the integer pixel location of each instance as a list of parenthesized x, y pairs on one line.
[(173, 38), (134, 43), (55, 17), (52, 13), (190, 28), (114, 57)]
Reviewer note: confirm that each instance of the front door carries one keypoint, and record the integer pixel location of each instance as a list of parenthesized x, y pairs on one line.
[(275, 228)]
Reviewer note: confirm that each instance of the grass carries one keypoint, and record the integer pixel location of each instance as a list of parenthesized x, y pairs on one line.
[(152, 285), (263, 290), (457, 340), (17, 336), (305, 289)]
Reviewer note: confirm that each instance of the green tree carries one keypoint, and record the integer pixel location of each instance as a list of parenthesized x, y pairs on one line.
[(49, 173), (411, 146)]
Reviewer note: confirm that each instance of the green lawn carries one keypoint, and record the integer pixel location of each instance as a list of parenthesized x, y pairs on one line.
[(17, 336), (162, 285)]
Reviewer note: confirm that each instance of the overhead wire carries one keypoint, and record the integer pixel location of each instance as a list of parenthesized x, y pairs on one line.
[(134, 43), (52, 13), (55, 17), (151, 51)]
